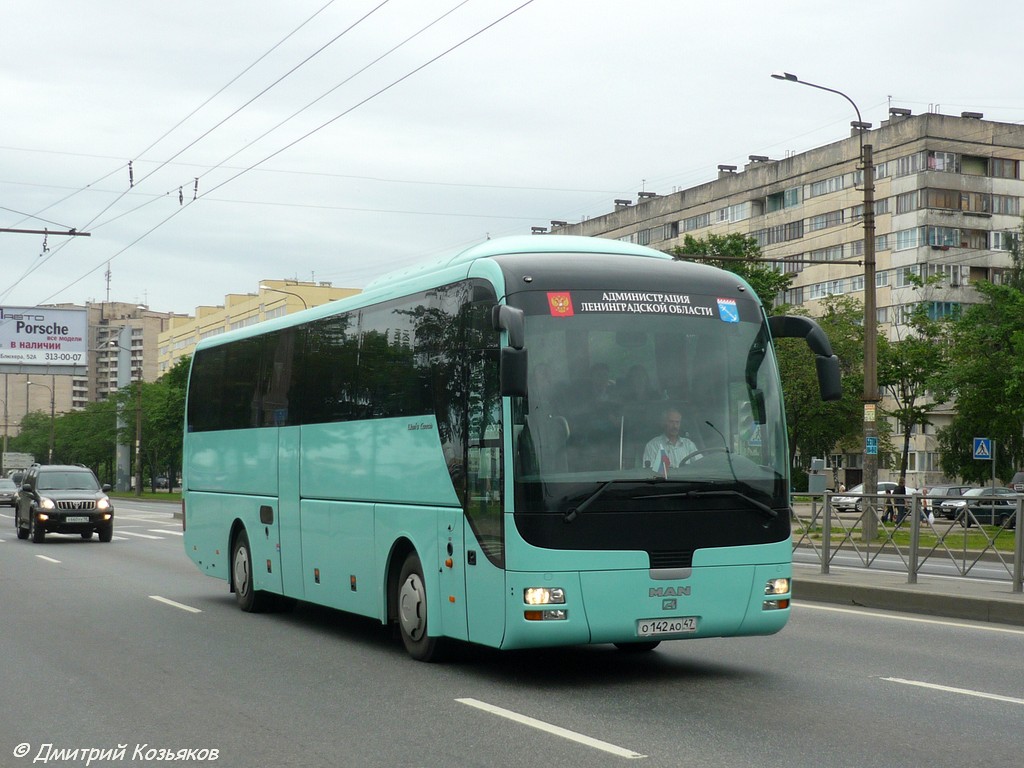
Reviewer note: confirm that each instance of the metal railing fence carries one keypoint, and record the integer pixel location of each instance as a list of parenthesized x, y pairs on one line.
[(909, 528)]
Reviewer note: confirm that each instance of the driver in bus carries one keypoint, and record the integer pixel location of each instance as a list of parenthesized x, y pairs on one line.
[(669, 448)]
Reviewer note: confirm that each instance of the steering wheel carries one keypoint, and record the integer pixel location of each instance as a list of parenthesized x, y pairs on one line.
[(701, 452)]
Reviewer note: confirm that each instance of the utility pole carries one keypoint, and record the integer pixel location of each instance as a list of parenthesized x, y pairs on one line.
[(870, 396)]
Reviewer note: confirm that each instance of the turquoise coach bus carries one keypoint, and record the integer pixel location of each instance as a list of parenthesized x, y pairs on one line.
[(460, 450)]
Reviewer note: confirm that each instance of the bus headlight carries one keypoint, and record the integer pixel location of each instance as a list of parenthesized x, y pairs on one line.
[(777, 587), (544, 596)]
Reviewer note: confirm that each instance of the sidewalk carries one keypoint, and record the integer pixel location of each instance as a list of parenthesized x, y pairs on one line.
[(971, 599)]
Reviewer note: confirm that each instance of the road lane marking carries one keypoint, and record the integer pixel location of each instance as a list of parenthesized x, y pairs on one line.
[(579, 738), (911, 619), (141, 535), (168, 533), (48, 559), (961, 691), (182, 606)]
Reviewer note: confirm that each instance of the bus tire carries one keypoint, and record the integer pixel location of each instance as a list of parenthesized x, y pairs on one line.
[(411, 605), (250, 599)]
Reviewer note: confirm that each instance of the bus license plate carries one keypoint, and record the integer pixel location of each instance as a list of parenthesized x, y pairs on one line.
[(76, 519), (655, 627)]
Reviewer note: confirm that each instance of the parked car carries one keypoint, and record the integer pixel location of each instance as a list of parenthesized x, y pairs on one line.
[(844, 503), (987, 506), (59, 498), (1017, 483), (937, 492), (8, 490)]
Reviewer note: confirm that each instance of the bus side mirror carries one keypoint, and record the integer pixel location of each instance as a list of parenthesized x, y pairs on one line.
[(798, 327), (513, 372), (511, 319)]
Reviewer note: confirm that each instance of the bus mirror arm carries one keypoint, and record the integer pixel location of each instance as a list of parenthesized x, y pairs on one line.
[(797, 326), (511, 319)]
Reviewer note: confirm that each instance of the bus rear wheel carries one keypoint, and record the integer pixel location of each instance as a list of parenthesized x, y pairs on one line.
[(411, 606), (250, 599)]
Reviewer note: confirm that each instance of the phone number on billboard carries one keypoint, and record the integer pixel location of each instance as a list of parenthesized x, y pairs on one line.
[(67, 357)]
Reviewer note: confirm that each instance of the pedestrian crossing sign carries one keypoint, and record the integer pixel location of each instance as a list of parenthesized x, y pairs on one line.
[(983, 448)]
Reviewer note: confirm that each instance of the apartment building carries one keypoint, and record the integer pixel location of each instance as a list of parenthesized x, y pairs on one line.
[(273, 298), (947, 202)]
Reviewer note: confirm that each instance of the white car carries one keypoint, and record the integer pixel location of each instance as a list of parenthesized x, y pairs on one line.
[(855, 503)]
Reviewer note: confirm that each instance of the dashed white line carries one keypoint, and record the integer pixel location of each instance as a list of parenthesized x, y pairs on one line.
[(555, 730), (141, 535), (167, 533), (961, 691), (182, 606), (48, 559)]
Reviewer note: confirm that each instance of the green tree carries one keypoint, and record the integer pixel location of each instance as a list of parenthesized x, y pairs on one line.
[(986, 376), (816, 427), (912, 369), (741, 255), (34, 436)]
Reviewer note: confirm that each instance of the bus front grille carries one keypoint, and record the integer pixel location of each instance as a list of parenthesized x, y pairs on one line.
[(675, 558)]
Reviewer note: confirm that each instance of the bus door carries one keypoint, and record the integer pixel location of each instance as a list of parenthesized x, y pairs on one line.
[(483, 501)]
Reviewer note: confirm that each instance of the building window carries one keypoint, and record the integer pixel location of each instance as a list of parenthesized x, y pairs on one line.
[(909, 238), (825, 220), (833, 253), (943, 199), (948, 162), (952, 274), (940, 310), (906, 202), (1006, 204), (697, 222), (943, 236), (911, 164), (903, 275), (857, 283), (825, 186), (1002, 169), (1002, 241)]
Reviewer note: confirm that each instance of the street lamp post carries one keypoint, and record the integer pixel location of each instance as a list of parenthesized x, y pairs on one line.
[(28, 384), (870, 396), (290, 293)]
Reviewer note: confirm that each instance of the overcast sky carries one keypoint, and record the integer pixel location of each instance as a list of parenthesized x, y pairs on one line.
[(551, 113)]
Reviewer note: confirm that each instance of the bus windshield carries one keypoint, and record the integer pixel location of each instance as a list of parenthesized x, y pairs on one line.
[(664, 395)]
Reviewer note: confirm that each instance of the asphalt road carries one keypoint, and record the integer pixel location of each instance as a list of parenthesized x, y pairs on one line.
[(96, 657)]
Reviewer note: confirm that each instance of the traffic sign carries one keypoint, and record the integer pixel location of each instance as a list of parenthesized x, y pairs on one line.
[(871, 447), (983, 448)]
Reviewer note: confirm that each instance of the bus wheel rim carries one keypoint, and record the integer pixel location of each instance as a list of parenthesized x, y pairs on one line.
[(241, 571), (412, 609)]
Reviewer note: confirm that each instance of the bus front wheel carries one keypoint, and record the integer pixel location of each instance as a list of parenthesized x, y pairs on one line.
[(411, 603), (249, 598)]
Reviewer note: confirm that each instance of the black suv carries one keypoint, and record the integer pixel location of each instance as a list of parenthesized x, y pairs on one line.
[(60, 498)]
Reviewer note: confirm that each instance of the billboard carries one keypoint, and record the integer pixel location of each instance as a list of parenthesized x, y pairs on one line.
[(43, 340)]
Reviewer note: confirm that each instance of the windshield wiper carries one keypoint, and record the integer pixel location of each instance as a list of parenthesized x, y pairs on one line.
[(571, 512), (760, 506)]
